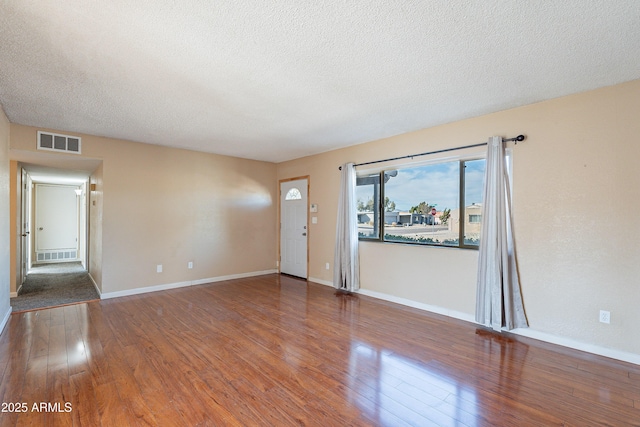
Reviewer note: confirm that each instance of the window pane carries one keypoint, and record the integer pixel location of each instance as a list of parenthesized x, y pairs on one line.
[(473, 182), (293, 194), (367, 201), (421, 204)]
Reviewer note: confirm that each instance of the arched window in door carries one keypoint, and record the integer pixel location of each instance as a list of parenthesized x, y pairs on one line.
[(293, 194)]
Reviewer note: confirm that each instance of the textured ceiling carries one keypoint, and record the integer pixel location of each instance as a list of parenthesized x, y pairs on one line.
[(284, 79)]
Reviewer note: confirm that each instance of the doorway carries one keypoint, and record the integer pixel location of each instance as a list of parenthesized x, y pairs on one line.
[(53, 213), (57, 227), (294, 227)]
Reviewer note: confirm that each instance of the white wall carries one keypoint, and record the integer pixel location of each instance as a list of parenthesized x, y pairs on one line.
[(5, 278)]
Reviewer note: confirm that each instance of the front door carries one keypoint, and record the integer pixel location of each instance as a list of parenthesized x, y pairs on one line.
[(293, 227)]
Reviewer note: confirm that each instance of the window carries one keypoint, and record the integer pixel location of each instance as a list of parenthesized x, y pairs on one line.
[(475, 219), (368, 201), (472, 201), (423, 204), (293, 194)]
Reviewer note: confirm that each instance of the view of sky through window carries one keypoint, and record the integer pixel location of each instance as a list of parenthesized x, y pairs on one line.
[(421, 204), (438, 185), (474, 179)]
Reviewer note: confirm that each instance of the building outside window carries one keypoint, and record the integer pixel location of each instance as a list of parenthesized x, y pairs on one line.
[(422, 204)]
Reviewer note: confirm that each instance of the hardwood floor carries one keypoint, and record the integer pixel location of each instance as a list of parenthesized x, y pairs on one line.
[(273, 350)]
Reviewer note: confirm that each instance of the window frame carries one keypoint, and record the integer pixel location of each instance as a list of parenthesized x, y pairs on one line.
[(380, 211), (462, 220), (376, 212)]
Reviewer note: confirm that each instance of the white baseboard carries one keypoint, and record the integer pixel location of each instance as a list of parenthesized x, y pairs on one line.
[(15, 294), (167, 286), (95, 285), (577, 345), (421, 306), (137, 291), (404, 301), (5, 319), (233, 276), (525, 332), (320, 281)]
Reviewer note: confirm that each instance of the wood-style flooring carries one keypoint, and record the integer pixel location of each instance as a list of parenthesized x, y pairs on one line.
[(276, 351)]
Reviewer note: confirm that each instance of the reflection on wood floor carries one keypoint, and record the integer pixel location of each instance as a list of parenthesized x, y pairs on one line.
[(274, 350)]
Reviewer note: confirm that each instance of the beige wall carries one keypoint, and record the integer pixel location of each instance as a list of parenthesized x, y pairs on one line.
[(5, 206), (95, 226), (168, 206), (575, 184)]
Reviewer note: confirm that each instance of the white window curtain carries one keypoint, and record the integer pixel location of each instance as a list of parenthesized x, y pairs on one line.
[(498, 300), (346, 269)]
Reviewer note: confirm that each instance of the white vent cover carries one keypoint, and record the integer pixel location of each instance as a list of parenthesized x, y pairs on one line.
[(57, 142), (56, 256)]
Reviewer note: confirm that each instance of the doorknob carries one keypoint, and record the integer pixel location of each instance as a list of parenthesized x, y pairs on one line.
[(304, 234), (40, 228)]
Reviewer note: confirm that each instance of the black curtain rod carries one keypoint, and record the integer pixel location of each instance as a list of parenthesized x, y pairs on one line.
[(517, 139)]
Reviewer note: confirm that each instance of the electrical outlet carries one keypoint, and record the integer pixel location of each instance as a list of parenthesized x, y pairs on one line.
[(159, 268), (326, 266), (190, 265), (605, 316)]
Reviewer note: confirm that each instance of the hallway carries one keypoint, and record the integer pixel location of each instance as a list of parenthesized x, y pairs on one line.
[(51, 285)]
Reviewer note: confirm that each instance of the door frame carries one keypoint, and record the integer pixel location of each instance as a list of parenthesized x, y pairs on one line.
[(280, 181), (25, 226)]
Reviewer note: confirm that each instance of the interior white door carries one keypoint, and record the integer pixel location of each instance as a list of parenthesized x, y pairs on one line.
[(293, 227), (56, 218)]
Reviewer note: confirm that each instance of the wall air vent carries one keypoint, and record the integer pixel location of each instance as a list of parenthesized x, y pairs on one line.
[(56, 256), (57, 142)]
